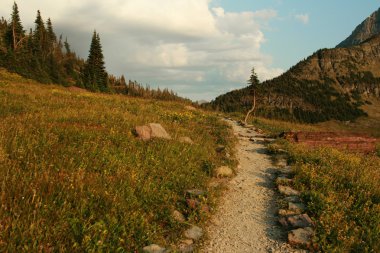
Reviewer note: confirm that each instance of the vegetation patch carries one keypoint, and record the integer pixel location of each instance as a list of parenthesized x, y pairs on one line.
[(74, 178), (341, 191)]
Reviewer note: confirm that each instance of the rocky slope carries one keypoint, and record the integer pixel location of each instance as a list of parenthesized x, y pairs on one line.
[(367, 29), (330, 84)]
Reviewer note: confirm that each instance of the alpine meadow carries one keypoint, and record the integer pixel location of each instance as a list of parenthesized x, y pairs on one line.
[(138, 126)]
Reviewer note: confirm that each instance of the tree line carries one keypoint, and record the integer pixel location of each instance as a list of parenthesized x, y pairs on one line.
[(43, 56)]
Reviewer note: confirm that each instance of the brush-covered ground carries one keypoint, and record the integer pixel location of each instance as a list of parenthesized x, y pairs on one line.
[(341, 190), (74, 178)]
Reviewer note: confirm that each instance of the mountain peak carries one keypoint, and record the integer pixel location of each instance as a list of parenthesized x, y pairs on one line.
[(367, 29)]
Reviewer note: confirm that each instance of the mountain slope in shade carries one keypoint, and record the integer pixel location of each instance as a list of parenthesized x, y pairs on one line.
[(330, 84), (367, 29)]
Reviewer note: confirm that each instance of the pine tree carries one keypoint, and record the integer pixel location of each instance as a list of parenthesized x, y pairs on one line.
[(95, 77), (15, 32), (39, 35)]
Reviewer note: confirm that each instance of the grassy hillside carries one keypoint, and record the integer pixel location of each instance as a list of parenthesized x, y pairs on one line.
[(74, 178), (341, 190)]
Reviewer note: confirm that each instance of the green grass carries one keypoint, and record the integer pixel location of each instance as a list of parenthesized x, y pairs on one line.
[(341, 190), (342, 193), (74, 178)]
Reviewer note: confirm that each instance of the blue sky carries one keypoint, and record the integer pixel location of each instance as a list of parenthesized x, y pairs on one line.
[(199, 48), (289, 41)]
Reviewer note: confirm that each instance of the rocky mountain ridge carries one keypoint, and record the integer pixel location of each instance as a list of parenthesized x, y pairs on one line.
[(329, 84), (367, 29)]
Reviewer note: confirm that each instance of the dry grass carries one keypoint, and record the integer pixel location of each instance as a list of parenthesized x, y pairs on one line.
[(74, 178)]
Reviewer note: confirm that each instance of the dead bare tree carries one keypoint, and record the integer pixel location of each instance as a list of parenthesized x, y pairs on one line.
[(253, 82)]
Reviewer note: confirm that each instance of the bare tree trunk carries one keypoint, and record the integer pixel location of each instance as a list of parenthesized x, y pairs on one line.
[(14, 36), (252, 109)]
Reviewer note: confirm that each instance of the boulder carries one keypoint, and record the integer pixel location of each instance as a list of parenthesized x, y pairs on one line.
[(186, 246), (195, 233), (154, 248), (152, 130), (301, 237), (224, 171), (185, 140), (144, 132), (158, 131), (288, 191)]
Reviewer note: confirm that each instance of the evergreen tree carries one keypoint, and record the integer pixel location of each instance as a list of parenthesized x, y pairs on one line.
[(39, 35), (51, 37), (15, 32), (95, 77)]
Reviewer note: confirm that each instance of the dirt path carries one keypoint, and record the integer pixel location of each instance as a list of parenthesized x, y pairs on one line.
[(246, 220)]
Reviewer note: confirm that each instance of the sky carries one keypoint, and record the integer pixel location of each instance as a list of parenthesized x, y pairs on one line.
[(199, 48)]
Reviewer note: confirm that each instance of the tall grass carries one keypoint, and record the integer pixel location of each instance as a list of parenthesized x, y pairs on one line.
[(74, 178), (342, 192)]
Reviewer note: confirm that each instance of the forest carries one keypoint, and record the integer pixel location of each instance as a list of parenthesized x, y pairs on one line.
[(40, 54)]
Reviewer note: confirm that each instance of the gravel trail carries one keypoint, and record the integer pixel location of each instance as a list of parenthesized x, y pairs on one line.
[(246, 219)]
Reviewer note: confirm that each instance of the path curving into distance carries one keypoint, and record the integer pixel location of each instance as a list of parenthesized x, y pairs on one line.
[(246, 219)]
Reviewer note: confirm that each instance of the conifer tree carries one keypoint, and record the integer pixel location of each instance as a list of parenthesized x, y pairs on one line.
[(39, 34), (15, 32), (95, 77)]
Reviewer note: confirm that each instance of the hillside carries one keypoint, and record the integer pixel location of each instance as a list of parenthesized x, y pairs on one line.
[(330, 84), (366, 30), (74, 178)]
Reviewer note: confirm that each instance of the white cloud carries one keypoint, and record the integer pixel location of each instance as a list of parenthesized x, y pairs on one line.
[(303, 18), (165, 42)]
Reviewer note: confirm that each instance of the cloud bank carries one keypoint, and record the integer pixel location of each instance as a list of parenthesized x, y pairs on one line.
[(185, 45)]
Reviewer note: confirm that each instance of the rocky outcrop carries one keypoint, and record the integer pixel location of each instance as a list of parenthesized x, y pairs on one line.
[(367, 29)]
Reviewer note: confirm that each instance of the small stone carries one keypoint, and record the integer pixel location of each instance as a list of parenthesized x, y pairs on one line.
[(300, 237), (220, 148), (300, 221), (178, 216), (194, 233), (288, 191), (284, 212), (154, 248), (292, 199), (196, 192), (297, 207), (286, 170), (284, 181), (283, 222), (190, 108), (186, 248), (192, 203), (186, 140), (224, 171)]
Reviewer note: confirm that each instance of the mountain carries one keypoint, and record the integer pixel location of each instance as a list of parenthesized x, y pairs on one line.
[(367, 29), (330, 84)]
